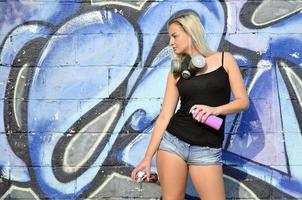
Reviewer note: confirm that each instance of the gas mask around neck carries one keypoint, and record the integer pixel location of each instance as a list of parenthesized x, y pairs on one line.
[(191, 65)]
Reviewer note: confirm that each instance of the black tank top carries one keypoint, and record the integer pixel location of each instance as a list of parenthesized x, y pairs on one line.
[(212, 89)]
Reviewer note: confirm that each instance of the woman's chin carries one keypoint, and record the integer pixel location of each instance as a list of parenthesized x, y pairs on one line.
[(177, 52)]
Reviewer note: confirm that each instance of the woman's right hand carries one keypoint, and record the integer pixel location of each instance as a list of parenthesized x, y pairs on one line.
[(143, 165)]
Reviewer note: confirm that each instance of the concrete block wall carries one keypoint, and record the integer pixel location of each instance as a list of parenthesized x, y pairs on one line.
[(82, 82)]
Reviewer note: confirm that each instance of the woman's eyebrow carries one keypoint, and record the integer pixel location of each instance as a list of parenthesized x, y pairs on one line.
[(173, 34)]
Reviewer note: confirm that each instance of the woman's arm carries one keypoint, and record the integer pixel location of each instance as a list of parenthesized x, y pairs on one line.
[(241, 101), (168, 108)]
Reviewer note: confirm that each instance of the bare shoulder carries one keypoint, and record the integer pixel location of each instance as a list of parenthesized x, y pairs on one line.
[(228, 54), (214, 58), (229, 61), (171, 78)]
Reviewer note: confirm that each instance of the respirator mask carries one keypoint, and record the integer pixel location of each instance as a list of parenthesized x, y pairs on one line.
[(190, 65)]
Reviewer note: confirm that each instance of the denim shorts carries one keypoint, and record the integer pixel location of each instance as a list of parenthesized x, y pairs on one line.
[(191, 154)]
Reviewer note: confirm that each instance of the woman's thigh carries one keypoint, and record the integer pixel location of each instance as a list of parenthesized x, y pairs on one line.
[(172, 171), (208, 181)]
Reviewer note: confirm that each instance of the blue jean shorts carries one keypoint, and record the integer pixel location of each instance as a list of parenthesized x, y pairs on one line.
[(191, 154)]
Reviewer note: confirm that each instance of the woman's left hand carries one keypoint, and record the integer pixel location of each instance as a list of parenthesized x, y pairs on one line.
[(202, 112)]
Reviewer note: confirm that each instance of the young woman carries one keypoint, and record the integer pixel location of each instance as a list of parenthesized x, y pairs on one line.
[(183, 142)]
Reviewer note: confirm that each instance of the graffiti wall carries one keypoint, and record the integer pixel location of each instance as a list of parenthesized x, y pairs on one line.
[(82, 82)]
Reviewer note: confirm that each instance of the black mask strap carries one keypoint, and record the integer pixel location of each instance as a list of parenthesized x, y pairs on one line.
[(186, 62)]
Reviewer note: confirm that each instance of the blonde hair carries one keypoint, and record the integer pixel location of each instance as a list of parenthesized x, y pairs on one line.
[(191, 24)]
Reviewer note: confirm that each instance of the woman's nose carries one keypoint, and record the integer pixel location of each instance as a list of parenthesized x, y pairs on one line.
[(171, 42)]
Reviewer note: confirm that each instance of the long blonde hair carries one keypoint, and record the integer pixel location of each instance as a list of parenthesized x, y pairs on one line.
[(191, 24)]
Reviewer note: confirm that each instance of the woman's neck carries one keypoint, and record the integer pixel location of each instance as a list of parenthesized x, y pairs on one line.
[(193, 52)]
